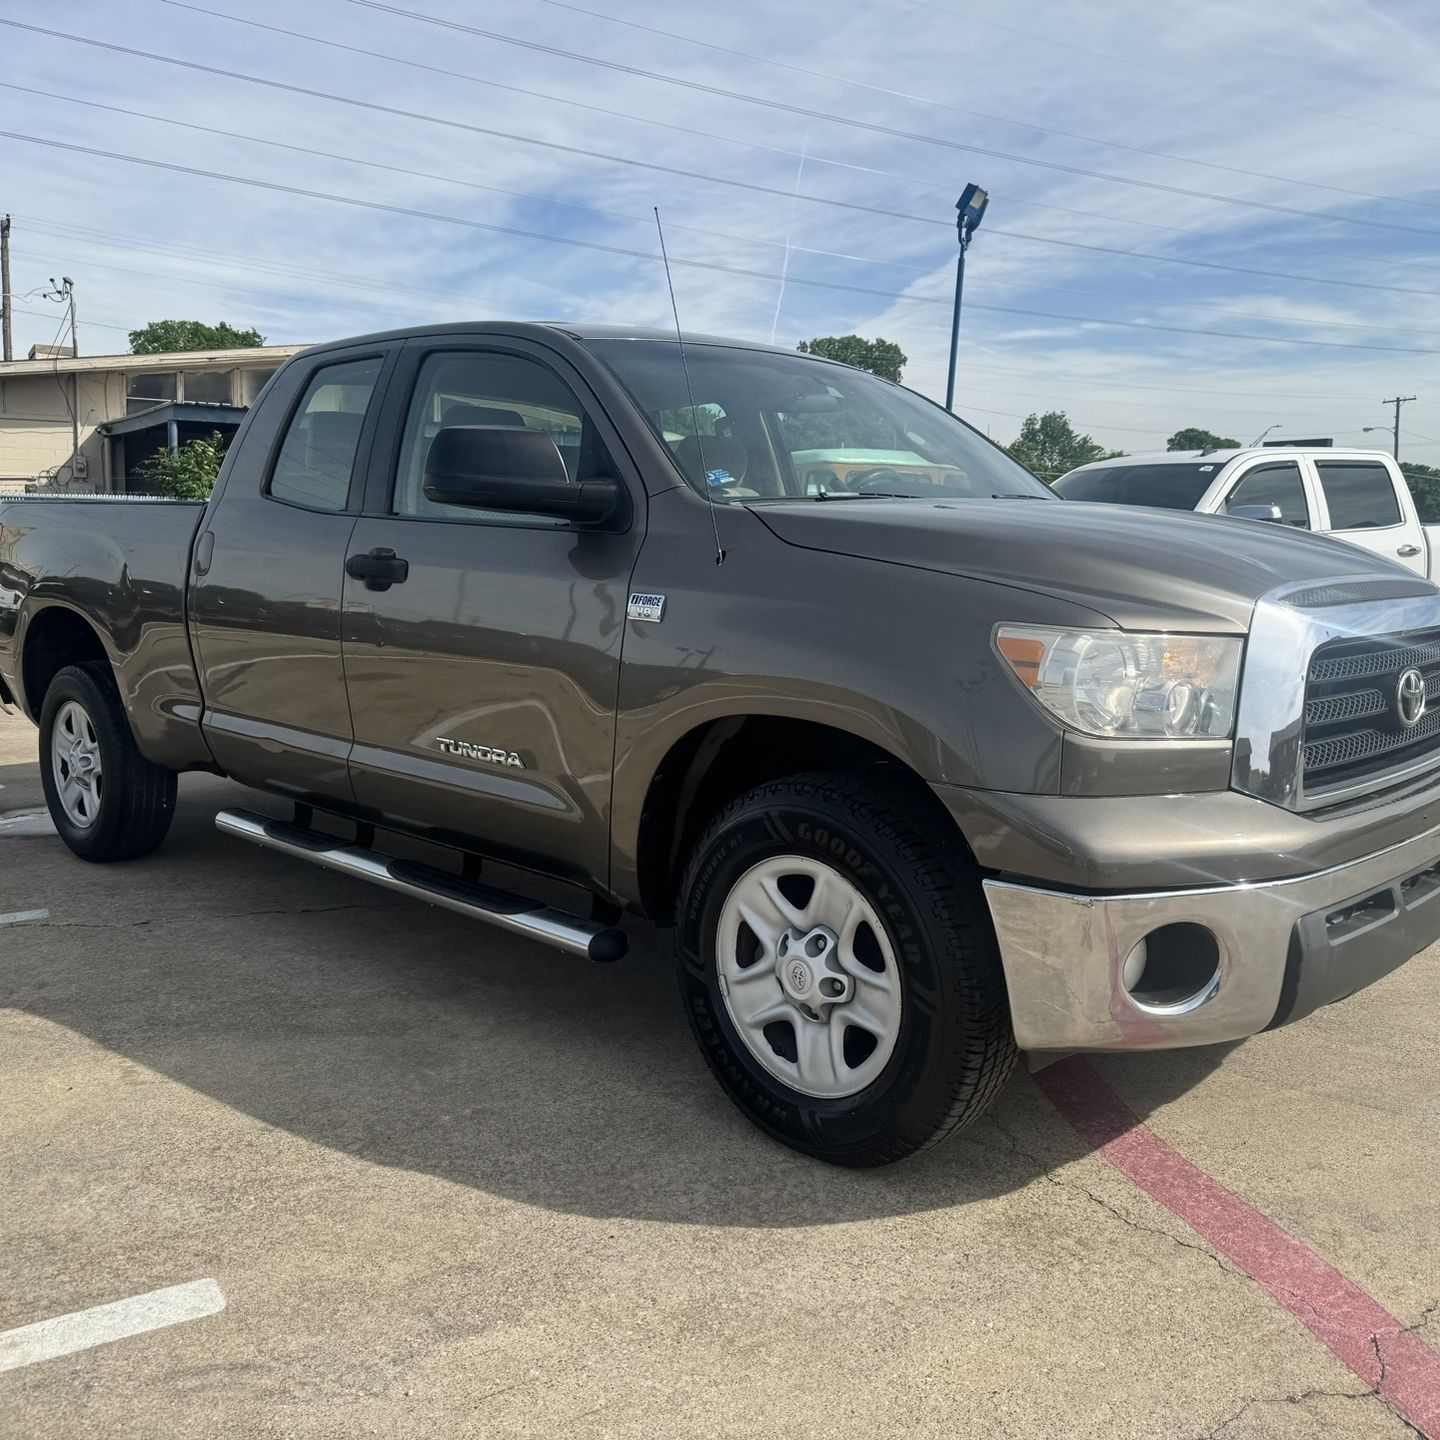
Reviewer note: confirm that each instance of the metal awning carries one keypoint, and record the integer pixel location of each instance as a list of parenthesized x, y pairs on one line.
[(178, 412)]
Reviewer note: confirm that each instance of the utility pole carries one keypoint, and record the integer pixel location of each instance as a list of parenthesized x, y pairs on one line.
[(9, 345), (1397, 401)]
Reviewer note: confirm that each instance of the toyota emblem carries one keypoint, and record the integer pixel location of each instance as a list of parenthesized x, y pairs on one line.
[(1410, 697)]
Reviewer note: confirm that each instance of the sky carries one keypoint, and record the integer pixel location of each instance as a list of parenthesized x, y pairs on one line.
[(1221, 214)]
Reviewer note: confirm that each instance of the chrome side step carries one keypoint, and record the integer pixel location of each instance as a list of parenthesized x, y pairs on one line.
[(586, 938)]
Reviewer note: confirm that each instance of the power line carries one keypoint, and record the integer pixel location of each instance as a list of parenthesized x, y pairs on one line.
[(700, 230), (94, 324), (894, 132), (854, 84), (1192, 77), (695, 85), (626, 252), (717, 179)]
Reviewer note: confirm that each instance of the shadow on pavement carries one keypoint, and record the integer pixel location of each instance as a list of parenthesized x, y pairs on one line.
[(410, 1037)]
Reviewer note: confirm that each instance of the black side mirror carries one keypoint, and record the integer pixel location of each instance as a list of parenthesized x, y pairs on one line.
[(493, 467), (1269, 513)]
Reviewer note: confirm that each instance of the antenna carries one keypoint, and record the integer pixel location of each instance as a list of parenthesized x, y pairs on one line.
[(689, 389)]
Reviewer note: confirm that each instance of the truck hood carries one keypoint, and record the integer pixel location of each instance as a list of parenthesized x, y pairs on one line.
[(1145, 569)]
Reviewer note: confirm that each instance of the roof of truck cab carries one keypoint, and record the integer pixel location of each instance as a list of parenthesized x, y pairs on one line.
[(1224, 457), (538, 329)]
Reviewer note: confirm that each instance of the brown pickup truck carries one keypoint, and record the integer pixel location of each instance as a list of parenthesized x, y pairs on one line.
[(925, 766)]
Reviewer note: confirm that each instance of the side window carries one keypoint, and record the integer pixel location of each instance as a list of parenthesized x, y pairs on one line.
[(318, 453), (1274, 485), (480, 387), (1359, 493)]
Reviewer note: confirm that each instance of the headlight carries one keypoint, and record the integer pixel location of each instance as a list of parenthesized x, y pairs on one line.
[(1110, 682)]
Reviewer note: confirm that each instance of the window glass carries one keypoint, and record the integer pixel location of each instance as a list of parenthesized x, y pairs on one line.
[(775, 426), (1162, 486), (147, 388), (1274, 485), (1359, 494), (252, 382), (319, 450), (209, 387), (486, 388)]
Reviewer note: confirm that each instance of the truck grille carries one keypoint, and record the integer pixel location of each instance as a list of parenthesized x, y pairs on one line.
[(1353, 729)]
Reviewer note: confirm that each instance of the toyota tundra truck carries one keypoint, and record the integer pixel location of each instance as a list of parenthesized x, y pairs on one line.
[(925, 767)]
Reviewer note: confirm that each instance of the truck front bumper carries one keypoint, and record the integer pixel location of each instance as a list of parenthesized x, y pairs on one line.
[(1167, 968)]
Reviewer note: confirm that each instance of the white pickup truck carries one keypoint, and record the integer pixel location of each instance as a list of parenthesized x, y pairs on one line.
[(1354, 495)]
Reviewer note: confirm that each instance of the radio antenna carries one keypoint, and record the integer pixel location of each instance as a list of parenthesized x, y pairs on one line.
[(689, 390)]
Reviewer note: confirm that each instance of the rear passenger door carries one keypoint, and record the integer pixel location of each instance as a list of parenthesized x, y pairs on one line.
[(265, 602), (1362, 506), (1280, 483)]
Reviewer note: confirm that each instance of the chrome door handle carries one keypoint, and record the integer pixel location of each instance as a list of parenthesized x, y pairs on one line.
[(1408, 550)]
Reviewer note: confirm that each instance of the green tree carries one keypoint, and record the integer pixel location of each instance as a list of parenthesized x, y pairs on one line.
[(1194, 438), (162, 336), (880, 357), (1424, 482), (190, 473), (1050, 445)]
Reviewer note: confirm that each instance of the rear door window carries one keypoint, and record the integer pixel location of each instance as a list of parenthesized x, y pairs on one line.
[(318, 453), (1278, 485), (1359, 494)]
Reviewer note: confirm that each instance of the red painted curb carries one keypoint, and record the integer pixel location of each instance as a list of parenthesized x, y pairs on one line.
[(1402, 1369)]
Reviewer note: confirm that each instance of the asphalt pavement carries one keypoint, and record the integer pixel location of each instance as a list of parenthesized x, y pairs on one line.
[(398, 1175)]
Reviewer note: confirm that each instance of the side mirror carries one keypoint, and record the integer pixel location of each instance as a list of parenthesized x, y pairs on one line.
[(493, 467), (1255, 512)]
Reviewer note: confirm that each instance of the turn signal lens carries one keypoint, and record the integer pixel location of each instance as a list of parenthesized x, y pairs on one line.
[(1125, 685)]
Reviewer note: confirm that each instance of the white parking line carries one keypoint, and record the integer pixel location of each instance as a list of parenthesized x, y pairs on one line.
[(23, 917), (65, 1334), (27, 823)]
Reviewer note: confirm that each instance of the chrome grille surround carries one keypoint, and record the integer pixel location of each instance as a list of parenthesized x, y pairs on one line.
[(1276, 706)]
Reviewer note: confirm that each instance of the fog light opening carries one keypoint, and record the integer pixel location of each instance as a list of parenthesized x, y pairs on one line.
[(1176, 967)]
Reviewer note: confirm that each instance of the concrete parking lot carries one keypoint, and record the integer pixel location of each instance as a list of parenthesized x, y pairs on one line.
[(449, 1183)]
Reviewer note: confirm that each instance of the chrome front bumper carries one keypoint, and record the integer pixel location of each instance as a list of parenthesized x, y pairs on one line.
[(1284, 947)]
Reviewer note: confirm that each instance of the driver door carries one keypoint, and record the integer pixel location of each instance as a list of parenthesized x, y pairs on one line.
[(483, 681)]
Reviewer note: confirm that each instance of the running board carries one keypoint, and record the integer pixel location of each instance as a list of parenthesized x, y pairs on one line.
[(586, 938)]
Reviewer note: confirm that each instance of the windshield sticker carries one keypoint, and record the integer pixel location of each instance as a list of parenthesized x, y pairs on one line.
[(719, 477)]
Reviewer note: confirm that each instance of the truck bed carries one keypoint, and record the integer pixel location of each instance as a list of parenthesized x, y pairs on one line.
[(122, 563)]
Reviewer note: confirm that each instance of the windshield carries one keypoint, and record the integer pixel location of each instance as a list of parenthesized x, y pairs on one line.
[(772, 426), (1167, 487)]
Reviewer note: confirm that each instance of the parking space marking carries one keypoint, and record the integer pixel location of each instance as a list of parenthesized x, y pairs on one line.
[(23, 917), (102, 1324), (1390, 1358), (27, 823)]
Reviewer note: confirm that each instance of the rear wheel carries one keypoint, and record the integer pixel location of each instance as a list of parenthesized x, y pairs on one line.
[(840, 971), (107, 800)]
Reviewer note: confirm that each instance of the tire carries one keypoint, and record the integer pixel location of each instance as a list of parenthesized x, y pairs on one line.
[(950, 1043), (126, 809)]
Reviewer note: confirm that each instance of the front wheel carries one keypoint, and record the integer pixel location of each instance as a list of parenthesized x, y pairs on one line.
[(107, 800), (840, 972)]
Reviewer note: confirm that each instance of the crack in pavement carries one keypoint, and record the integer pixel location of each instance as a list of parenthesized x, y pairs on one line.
[(1304, 1398), (1047, 1174)]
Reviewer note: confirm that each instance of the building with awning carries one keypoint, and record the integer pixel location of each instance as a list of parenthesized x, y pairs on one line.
[(88, 423)]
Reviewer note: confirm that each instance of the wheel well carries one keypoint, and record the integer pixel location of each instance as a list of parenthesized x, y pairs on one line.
[(54, 639), (714, 764)]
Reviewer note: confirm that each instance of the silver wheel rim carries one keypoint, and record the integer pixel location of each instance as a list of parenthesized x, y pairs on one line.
[(75, 761), (809, 977)]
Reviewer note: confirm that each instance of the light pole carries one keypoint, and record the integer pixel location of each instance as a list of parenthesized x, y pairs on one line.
[(971, 208), (1260, 438)]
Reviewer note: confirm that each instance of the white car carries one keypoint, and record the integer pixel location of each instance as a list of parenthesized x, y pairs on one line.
[(1354, 495)]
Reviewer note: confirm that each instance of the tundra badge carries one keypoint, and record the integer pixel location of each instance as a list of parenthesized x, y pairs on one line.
[(646, 607), (490, 754)]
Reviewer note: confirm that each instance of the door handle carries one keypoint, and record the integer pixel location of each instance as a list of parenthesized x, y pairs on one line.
[(1408, 550), (379, 568)]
